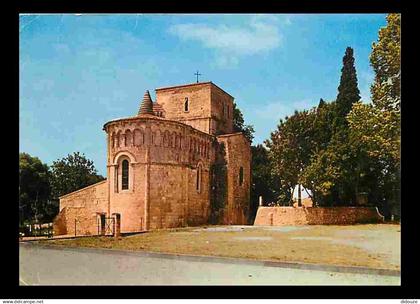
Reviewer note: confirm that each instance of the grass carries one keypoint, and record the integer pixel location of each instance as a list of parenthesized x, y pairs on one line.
[(375, 246)]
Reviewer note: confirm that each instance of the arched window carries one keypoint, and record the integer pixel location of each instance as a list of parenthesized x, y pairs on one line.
[(124, 180), (198, 179), (241, 176), (186, 105)]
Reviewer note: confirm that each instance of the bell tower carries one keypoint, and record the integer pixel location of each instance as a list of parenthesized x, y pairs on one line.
[(202, 105)]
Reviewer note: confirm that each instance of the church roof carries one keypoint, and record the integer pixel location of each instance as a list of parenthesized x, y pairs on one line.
[(146, 104), (192, 84)]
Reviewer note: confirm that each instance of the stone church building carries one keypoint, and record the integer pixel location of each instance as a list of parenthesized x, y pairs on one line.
[(177, 163)]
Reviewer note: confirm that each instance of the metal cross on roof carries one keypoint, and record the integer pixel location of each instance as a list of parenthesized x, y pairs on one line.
[(197, 74)]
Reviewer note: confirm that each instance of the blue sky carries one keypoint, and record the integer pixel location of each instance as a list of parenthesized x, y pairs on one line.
[(79, 71)]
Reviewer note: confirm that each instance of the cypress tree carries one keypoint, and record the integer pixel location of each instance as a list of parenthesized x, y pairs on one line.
[(342, 158), (348, 92)]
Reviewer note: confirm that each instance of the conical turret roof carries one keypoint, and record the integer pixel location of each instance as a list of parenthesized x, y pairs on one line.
[(146, 104)]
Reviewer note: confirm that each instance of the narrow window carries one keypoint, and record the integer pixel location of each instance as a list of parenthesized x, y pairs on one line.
[(241, 176), (186, 104), (198, 179), (124, 182)]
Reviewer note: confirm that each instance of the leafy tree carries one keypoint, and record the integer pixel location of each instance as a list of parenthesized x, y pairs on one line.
[(290, 149), (322, 125), (375, 134), (312, 147), (353, 147), (375, 128), (72, 173), (239, 124), (34, 188), (376, 131), (320, 177), (386, 62), (264, 183)]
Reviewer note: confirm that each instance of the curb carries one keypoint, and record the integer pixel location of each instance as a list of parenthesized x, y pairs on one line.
[(228, 260)]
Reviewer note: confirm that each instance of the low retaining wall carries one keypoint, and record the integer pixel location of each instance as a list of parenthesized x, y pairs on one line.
[(281, 216)]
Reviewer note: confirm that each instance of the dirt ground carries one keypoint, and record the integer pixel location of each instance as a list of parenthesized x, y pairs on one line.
[(373, 245)]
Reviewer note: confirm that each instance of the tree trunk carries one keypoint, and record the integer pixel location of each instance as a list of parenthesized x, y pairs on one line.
[(299, 196)]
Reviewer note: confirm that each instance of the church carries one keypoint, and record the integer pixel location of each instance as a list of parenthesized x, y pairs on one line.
[(177, 163)]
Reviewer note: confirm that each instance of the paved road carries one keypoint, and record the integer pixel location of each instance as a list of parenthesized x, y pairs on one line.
[(57, 266)]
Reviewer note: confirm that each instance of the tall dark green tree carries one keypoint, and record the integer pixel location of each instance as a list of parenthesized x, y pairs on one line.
[(34, 188), (332, 173), (345, 161), (72, 173), (348, 92)]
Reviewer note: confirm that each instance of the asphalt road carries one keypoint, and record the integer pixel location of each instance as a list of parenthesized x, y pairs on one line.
[(61, 266)]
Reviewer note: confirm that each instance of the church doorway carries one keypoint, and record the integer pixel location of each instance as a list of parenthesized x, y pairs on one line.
[(102, 224)]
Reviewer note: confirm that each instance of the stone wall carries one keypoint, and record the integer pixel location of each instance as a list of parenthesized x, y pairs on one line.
[(238, 155), (164, 157), (60, 223), (278, 216), (83, 206), (221, 111), (210, 108), (172, 100)]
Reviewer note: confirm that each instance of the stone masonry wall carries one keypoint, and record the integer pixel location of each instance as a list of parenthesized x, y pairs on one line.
[(221, 112), (278, 216), (82, 206), (172, 101), (210, 108), (164, 157), (238, 154)]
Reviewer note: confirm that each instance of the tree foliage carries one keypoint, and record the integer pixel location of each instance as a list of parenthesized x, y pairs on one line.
[(72, 173), (348, 92), (386, 62), (332, 172), (34, 187), (264, 182), (343, 148), (41, 185), (375, 129), (290, 149), (239, 124), (311, 147)]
